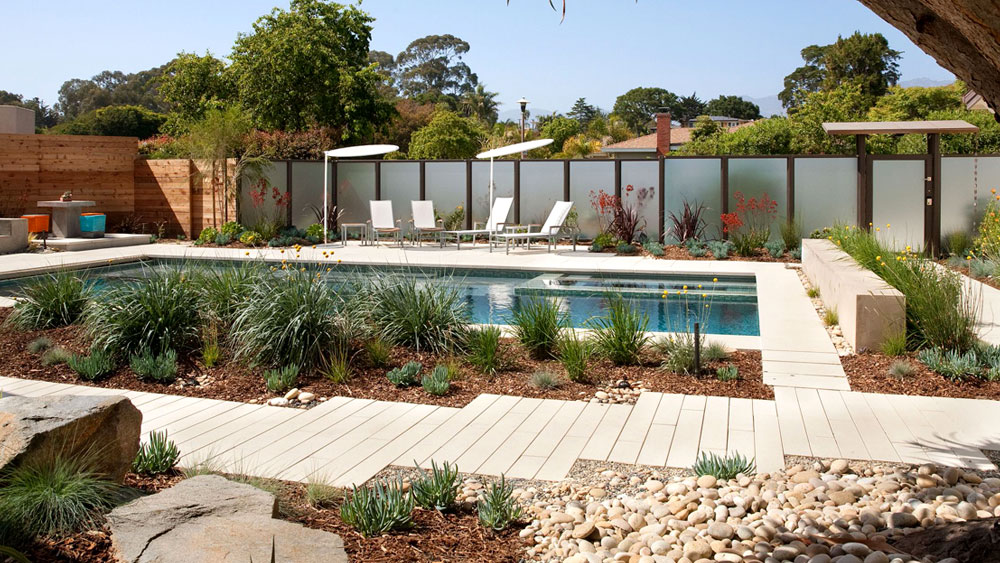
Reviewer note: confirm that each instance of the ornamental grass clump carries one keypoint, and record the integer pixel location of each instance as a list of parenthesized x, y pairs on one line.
[(424, 316), (375, 510), (724, 467), (93, 366), (281, 379), (537, 322), (546, 380), (575, 352), (485, 350), (379, 352), (160, 368), (56, 356), (52, 301), (158, 454), (620, 335), (293, 318), (678, 353), (220, 290), (497, 508), (39, 345), (438, 489), (159, 313)]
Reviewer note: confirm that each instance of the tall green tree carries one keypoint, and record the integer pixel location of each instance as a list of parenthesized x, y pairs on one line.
[(79, 96), (583, 112), (386, 69), (115, 121), (481, 104), (448, 135), (431, 69), (308, 66), (863, 59), (733, 106), (559, 129), (192, 84), (637, 106), (689, 107)]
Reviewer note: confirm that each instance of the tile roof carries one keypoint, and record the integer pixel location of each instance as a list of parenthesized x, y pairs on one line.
[(678, 136)]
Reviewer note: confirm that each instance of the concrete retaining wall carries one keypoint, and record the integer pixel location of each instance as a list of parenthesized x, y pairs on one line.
[(869, 309)]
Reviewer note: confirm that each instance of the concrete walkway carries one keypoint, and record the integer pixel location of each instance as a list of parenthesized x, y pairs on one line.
[(349, 440)]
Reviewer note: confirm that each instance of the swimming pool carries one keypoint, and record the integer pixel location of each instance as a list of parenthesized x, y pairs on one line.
[(491, 295)]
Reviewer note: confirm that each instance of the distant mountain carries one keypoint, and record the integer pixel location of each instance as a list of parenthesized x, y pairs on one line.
[(924, 82), (514, 114), (769, 105)]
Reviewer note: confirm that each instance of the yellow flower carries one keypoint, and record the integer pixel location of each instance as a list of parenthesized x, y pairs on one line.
[(684, 287), (968, 257), (715, 279), (699, 286), (338, 260), (282, 251), (284, 267), (314, 246), (704, 295), (879, 258), (887, 225), (328, 269), (302, 269), (664, 296), (247, 253), (877, 229), (706, 305)]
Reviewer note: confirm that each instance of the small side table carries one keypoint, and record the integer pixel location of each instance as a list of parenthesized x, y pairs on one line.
[(66, 216), (346, 227)]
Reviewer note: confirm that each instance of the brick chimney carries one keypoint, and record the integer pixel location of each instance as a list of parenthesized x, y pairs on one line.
[(662, 134)]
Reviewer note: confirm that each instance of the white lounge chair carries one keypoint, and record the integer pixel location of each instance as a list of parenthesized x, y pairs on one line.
[(495, 223), (550, 230), (383, 222), (423, 221)]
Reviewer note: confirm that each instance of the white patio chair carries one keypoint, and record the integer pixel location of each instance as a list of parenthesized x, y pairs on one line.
[(551, 229), (383, 222), (495, 223), (423, 221)]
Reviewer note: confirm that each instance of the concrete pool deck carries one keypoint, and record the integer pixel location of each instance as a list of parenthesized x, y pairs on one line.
[(349, 440)]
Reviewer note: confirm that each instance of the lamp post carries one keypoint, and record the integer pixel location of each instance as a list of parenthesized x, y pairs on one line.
[(524, 110)]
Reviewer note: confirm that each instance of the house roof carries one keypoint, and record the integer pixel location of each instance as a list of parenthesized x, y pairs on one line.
[(647, 143), (899, 127)]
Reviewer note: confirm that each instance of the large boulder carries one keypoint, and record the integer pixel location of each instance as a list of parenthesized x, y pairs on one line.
[(209, 518), (105, 428)]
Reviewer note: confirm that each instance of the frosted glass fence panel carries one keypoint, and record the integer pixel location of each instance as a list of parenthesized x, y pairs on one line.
[(898, 202), (584, 178), (826, 192), (697, 181), (503, 179), (642, 176), (276, 176), (355, 188), (965, 190), (754, 177), (307, 193), (541, 186), (445, 186), (401, 185)]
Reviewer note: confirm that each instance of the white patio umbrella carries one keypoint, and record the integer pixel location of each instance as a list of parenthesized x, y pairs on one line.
[(346, 152), (510, 149)]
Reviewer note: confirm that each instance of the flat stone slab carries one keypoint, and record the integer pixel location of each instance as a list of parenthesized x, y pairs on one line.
[(105, 428), (210, 518)]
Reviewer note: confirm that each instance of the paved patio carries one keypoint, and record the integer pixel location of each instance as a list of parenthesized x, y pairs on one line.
[(349, 440)]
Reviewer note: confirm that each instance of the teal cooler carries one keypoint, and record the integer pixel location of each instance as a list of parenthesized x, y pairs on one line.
[(92, 225)]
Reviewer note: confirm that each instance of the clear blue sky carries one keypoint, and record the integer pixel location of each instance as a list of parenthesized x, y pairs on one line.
[(602, 49)]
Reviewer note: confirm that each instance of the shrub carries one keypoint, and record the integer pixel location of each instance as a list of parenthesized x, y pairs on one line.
[(429, 316), (92, 367), (320, 493), (251, 238), (438, 489), (720, 249), (714, 352), (58, 495), (161, 368), (220, 290), (654, 248), (606, 240), (932, 358), (830, 317), (437, 382), (52, 301), (39, 345), (574, 353), (728, 372), (723, 467), (292, 319), (379, 352), (546, 380), (698, 250), (813, 292), (57, 355), (894, 344), (776, 248), (232, 229), (485, 351), (497, 508), (901, 369), (159, 454), (690, 224), (595, 247), (536, 322), (957, 366), (678, 353), (749, 225), (159, 313), (281, 379), (626, 248), (791, 234), (981, 268), (222, 239), (795, 253), (314, 231), (958, 243), (207, 235), (405, 376), (620, 334), (382, 508)]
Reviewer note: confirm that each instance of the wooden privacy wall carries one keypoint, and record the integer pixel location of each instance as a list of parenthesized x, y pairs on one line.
[(41, 167), (178, 194)]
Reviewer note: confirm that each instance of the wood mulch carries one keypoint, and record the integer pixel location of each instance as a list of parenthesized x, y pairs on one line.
[(232, 381), (988, 280), (869, 373), (677, 252)]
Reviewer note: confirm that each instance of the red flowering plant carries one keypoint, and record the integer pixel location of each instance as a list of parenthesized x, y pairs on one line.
[(268, 224), (749, 226), (621, 217)]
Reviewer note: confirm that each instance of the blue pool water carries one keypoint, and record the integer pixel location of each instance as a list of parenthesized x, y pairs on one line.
[(491, 295)]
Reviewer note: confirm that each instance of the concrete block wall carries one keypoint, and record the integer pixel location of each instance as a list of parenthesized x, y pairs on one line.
[(13, 235), (868, 309), (18, 120)]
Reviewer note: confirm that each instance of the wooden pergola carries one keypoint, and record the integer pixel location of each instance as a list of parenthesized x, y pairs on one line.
[(932, 165)]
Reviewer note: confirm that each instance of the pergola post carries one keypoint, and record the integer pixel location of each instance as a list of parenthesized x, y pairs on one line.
[(863, 193), (932, 199)]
